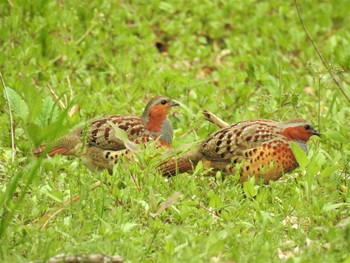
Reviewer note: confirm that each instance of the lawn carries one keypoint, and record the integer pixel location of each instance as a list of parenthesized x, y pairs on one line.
[(65, 62)]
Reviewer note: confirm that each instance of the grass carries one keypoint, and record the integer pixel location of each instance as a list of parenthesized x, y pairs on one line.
[(239, 59)]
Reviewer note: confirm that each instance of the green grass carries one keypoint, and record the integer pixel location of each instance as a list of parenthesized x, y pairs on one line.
[(239, 59)]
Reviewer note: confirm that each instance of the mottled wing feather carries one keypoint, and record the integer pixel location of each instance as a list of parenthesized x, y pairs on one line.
[(101, 133), (232, 142)]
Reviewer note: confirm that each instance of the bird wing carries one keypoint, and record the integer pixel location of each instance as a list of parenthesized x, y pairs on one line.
[(234, 141), (100, 132)]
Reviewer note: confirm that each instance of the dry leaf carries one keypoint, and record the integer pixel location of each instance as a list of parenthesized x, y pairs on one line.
[(310, 91), (169, 202)]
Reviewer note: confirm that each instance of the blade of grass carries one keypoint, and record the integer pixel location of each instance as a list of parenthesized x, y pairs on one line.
[(61, 208), (319, 52), (8, 215), (13, 149)]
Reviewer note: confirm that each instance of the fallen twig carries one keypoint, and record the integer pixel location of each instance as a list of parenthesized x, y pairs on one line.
[(211, 117), (164, 205)]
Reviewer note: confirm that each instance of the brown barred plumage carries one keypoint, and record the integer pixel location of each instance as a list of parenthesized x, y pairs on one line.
[(100, 147), (250, 148)]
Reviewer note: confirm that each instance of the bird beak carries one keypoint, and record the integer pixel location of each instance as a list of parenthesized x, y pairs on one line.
[(314, 132), (174, 103)]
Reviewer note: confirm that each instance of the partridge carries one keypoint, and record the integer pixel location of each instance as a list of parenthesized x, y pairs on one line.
[(259, 148), (100, 147)]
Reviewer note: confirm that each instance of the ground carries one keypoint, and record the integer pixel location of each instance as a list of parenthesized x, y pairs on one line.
[(239, 59)]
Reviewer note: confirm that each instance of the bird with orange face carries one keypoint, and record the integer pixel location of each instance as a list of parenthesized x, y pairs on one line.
[(259, 148), (99, 145)]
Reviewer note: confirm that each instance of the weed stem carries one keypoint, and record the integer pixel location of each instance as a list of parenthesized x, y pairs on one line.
[(319, 53)]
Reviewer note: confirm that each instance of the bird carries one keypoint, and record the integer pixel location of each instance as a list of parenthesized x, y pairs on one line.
[(100, 147), (252, 148)]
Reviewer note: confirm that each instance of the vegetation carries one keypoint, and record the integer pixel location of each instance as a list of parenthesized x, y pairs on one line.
[(240, 59)]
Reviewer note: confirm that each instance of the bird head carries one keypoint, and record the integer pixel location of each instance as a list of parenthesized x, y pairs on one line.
[(298, 130), (156, 112)]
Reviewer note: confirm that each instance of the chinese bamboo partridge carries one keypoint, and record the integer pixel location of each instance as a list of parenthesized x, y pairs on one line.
[(100, 147), (259, 148)]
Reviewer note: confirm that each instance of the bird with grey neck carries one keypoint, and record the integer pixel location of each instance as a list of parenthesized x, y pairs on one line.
[(259, 148), (99, 145)]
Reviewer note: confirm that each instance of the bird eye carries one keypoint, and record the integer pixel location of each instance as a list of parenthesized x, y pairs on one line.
[(163, 102), (307, 127)]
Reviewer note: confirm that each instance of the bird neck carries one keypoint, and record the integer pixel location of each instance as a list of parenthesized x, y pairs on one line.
[(295, 134), (155, 117), (302, 145), (165, 134)]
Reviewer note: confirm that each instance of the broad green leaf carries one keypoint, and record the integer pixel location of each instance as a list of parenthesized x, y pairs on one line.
[(329, 170), (18, 105), (336, 136), (123, 136), (34, 101), (329, 207), (53, 130), (48, 114), (54, 195), (34, 131), (300, 155), (119, 133), (249, 187), (315, 164), (313, 168), (198, 168), (215, 201), (128, 226)]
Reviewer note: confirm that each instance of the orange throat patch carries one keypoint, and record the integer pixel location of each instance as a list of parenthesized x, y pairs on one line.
[(157, 115), (296, 133)]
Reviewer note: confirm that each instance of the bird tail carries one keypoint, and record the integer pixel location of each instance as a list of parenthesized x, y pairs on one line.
[(52, 152), (182, 164)]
